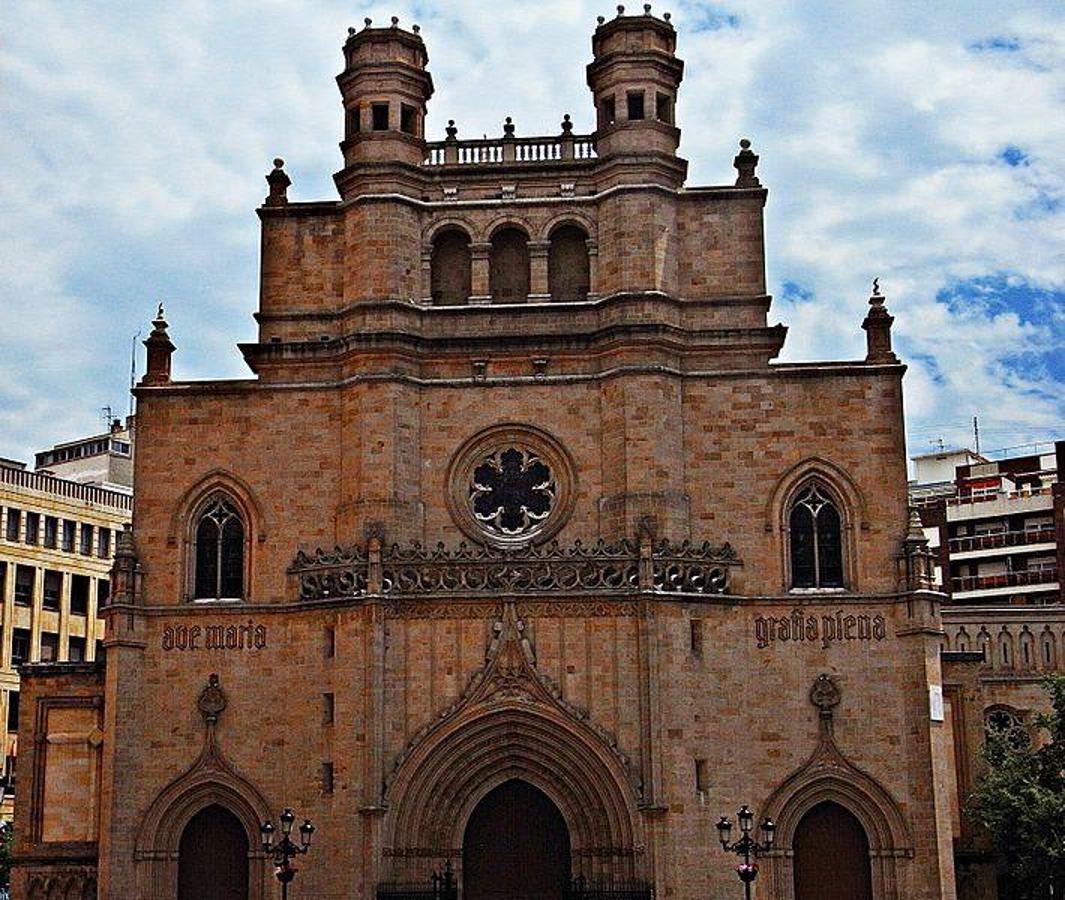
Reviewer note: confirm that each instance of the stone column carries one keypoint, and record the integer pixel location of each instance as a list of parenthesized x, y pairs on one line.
[(593, 267), (427, 274), (479, 284), (9, 615), (539, 288), (36, 613), (91, 623), (63, 653)]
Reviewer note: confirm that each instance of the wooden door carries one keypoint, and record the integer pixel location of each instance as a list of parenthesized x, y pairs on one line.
[(213, 857), (516, 847), (831, 856)]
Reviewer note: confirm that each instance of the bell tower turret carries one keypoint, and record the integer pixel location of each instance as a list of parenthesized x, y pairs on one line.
[(634, 79), (385, 88)]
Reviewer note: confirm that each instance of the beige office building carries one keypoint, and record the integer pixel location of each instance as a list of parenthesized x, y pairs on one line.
[(57, 541)]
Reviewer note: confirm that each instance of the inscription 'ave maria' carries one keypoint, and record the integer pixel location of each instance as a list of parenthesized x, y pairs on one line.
[(827, 629), (214, 637)]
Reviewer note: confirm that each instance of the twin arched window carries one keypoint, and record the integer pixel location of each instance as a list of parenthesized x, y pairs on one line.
[(816, 539), (219, 536), (509, 276)]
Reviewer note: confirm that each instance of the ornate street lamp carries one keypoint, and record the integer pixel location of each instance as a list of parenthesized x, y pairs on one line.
[(746, 846), (286, 850)]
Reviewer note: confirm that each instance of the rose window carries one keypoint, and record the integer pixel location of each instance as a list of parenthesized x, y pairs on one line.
[(512, 492), (511, 485)]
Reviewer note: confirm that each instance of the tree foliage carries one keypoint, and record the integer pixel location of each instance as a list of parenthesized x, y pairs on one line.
[(1020, 801)]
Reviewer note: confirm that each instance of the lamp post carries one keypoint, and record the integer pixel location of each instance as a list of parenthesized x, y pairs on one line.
[(286, 850), (746, 846)]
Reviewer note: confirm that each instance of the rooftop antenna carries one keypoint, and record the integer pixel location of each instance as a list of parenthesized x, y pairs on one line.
[(976, 434), (107, 414)]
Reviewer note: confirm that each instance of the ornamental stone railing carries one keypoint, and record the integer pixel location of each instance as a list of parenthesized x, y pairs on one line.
[(565, 147), (623, 567)]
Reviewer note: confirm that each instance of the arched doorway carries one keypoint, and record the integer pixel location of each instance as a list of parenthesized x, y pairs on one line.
[(831, 856), (213, 857), (516, 846)]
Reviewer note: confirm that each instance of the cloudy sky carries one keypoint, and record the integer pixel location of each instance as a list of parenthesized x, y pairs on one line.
[(921, 142)]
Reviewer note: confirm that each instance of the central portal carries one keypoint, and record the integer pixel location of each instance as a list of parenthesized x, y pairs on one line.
[(516, 846)]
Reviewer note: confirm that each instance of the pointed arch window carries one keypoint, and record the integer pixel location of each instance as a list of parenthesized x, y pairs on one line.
[(220, 531), (815, 526)]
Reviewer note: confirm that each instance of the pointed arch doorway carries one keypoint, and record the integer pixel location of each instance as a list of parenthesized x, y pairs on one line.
[(213, 857), (516, 846), (831, 856)]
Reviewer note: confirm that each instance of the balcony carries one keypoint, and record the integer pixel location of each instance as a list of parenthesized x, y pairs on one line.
[(1005, 580), (1002, 540), (509, 150)]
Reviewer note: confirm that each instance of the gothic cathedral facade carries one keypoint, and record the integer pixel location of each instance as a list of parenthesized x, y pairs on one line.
[(519, 561)]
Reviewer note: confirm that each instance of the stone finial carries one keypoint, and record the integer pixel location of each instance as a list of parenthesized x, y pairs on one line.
[(508, 129), (351, 32), (417, 29), (647, 9), (367, 22), (746, 162), (452, 131), (667, 16), (621, 10), (160, 349), (279, 183), (916, 530), (395, 21), (600, 19), (567, 125), (877, 326)]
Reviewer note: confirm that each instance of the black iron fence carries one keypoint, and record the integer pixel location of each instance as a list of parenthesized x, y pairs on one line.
[(608, 889)]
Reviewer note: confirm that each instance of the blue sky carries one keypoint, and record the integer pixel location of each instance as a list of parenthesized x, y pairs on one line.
[(919, 142)]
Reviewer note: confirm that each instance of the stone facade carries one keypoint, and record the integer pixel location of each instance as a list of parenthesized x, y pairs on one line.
[(443, 543)]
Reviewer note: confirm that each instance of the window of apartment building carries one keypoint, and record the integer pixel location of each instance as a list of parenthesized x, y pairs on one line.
[(103, 544), (989, 528), (53, 589), (379, 112), (14, 523), (634, 103), (120, 447), (79, 595), (24, 578), (1042, 564), (68, 535), (76, 649), (20, 646), (33, 528), (85, 546), (103, 592), (51, 532), (12, 710), (408, 119), (49, 647)]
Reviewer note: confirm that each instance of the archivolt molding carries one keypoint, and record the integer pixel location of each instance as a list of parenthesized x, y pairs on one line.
[(217, 480), (569, 217), (438, 226), (211, 779), (512, 722), (828, 776), (853, 504), (509, 220)]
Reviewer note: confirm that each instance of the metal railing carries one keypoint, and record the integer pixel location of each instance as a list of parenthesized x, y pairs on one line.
[(1000, 539), (1001, 495), (1004, 580), (486, 151), (61, 487)]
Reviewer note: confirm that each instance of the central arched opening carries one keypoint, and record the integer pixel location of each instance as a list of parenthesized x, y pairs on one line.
[(831, 856), (516, 846), (213, 857)]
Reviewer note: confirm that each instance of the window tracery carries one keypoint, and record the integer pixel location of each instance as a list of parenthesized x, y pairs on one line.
[(219, 557), (816, 534)]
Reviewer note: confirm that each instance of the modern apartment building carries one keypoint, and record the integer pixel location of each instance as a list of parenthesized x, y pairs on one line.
[(57, 542), (996, 526)]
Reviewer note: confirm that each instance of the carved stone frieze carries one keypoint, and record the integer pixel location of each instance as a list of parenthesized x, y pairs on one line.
[(623, 567)]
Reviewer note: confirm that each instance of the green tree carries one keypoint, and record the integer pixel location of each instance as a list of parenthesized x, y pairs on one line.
[(7, 837), (1020, 801)]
